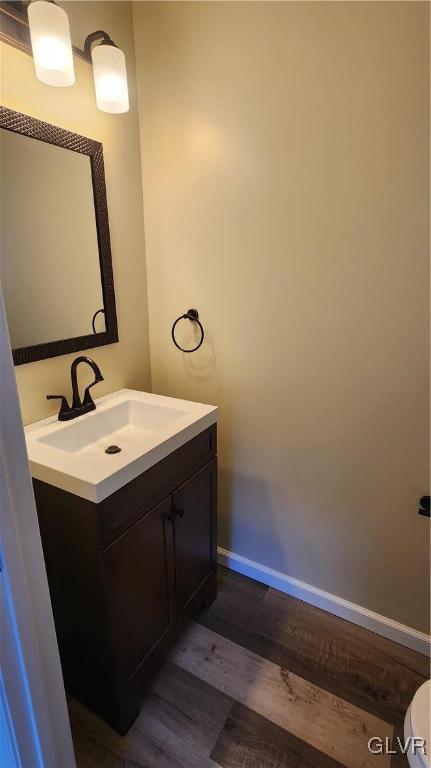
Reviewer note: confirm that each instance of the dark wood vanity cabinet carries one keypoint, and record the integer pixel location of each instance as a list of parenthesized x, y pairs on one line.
[(194, 535), (124, 574), (138, 575)]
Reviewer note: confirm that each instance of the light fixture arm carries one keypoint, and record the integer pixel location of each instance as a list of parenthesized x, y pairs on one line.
[(94, 37)]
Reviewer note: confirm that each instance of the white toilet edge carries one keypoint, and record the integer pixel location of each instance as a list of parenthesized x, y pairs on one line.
[(415, 760)]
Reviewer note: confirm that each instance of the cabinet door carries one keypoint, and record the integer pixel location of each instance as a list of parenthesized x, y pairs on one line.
[(140, 591), (195, 504)]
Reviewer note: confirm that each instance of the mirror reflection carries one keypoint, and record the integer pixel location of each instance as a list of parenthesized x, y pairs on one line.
[(50, 266)]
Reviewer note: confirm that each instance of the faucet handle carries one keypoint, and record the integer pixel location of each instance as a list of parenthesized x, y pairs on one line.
[(64, 408), (88, 400)]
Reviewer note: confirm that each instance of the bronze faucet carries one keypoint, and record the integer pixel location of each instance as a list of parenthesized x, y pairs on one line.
[(78, 407)]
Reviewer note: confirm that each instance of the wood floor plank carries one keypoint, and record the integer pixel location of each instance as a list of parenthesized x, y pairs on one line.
[(204, 705), (384, 675), (234, 586), (319, 718), (90, 754), (94, 740), (180, 720), (359, 666), (399, 760), (184, 716), (176, 736), (296, 672), (248, 740)]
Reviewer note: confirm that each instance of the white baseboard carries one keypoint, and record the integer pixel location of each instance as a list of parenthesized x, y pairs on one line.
[(393, 630)]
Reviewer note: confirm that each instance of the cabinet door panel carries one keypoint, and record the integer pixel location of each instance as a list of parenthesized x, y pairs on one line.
[(195, 532), (120, 511), (138, 575)]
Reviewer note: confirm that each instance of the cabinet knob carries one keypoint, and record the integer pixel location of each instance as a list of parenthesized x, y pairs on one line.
[(179, 512)]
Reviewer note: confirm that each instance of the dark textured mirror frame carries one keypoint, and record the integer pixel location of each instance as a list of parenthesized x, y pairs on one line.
[(51, 134)]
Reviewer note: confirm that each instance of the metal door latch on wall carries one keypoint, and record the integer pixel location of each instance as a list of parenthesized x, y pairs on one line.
[(424, 506)]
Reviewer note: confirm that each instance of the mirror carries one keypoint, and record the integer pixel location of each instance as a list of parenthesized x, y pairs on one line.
[(55, 268)]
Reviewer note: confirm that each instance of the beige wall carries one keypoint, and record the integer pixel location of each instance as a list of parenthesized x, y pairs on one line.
[(125, 363), (285, 171)]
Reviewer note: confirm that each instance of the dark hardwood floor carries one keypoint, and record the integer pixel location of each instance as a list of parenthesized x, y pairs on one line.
[(262, 680)]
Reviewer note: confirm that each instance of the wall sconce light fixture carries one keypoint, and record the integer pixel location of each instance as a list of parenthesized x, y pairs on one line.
[(51, 44), (49, 33), (109, 70)]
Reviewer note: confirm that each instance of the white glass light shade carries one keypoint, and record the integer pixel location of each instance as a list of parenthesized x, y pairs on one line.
[(51, 44), (110, 78)]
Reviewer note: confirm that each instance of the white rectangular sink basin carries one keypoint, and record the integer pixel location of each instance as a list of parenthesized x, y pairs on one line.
[(72, 454)]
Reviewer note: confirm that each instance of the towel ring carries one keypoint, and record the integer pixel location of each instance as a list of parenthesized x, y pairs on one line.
[(193, 315), (93, 322)]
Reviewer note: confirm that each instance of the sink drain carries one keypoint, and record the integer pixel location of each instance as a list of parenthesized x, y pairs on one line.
[(113, 449)]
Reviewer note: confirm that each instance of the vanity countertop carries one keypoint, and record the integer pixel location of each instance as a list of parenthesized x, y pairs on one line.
[(71, 455)]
